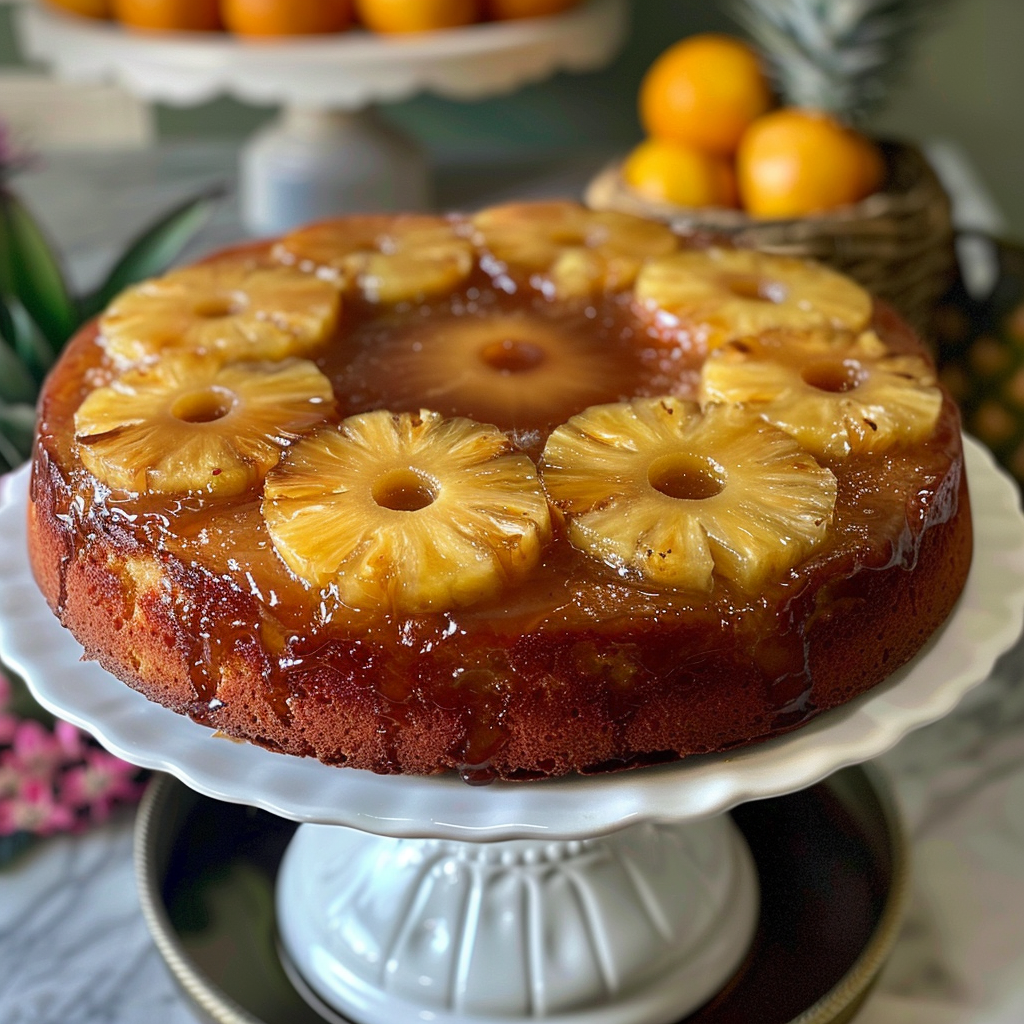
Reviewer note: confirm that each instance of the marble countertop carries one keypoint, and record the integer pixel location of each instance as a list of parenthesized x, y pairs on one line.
[(73, 945)]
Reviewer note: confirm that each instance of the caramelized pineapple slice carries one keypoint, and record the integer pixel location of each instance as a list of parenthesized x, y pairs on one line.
[(711, 296), (658, 487), (407, 512), (835, 394), (509, 369), (565, 250), (230, 308), (388, 259), (189, 424)]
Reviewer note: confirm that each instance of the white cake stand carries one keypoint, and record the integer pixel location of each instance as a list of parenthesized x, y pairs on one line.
[(597, 900), (326, 153)]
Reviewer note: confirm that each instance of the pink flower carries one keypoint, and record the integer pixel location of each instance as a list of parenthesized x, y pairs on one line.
[(10, 779), (34, 810), (99, 784), (8, 725), (70, 739), (35, 750), (55, 781), (6, 692)]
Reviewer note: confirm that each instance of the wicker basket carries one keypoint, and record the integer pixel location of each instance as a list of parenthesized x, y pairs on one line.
[(897, 243)]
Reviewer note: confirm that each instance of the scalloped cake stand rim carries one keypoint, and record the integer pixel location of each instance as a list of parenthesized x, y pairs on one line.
[(985, 623), (345, 70)]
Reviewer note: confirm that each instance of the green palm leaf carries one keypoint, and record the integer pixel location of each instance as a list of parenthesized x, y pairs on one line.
[(17, 427), (35, 353), (34, 274), (8, 328), (16, 383)]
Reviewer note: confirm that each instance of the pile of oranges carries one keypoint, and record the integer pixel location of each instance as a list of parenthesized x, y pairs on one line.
[(715, 138), (305, 17)]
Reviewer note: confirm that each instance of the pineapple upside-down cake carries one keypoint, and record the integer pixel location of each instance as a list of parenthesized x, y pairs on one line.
[(517, 494)]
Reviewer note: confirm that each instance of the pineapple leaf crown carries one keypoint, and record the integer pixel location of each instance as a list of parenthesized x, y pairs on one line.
[(840, 56), (38, 312)]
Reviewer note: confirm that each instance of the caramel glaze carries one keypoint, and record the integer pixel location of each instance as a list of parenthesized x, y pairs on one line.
[(578, 668)]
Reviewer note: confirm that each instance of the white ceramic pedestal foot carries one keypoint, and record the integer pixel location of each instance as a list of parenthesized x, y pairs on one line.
[(310, 164), (638, 927)]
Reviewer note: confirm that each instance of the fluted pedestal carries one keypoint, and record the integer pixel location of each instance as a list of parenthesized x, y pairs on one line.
[(641, 926)]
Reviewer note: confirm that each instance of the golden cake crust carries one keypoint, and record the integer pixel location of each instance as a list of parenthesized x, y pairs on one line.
[(607, 673)]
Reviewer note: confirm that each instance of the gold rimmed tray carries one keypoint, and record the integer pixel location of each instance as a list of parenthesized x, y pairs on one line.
[(831, 860)]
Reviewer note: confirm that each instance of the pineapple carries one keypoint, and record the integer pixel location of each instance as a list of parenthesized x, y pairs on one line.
[(714, 295), (837, 57), (39, 310), (407, 512), (835, 394), (519, 370), (980, 354), (187, 423), (231, 307), (387, 259), (680, 496), (566, 251)]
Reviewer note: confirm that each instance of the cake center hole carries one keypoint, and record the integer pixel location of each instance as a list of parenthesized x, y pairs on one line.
[(509, 355), (756, 288), (203, 406), (835, 377), (217, 306), (403, 490), (689, 477)]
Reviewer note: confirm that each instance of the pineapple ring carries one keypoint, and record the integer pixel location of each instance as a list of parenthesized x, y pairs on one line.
[(407, 512), (715, 295), (567, 251), (506, 368), (189, 424), (833, 395), (389, 259), (231, 308), (658, 487)]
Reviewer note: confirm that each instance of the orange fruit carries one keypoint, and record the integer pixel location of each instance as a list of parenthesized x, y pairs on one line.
[(507, 10), (416, 15), (704, 91), (85, 8), (173, 15), (286, 17), (671, 172), (793, 162)]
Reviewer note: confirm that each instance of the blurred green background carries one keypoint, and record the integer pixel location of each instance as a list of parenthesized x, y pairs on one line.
[(965, 84)]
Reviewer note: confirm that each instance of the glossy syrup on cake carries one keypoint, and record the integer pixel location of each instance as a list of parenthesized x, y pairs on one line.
[(532, 492)]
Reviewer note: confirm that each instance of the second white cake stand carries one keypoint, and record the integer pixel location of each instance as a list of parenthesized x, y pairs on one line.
[(601, 900), (326, 153)]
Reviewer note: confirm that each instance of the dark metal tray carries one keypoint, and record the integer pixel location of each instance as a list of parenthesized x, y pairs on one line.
[(831, 861)]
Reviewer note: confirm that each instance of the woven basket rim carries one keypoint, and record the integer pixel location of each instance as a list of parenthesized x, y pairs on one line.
[(911, 186)]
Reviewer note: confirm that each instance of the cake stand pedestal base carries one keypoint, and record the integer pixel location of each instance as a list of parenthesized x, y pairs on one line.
[(637, 927), (312, 163)]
